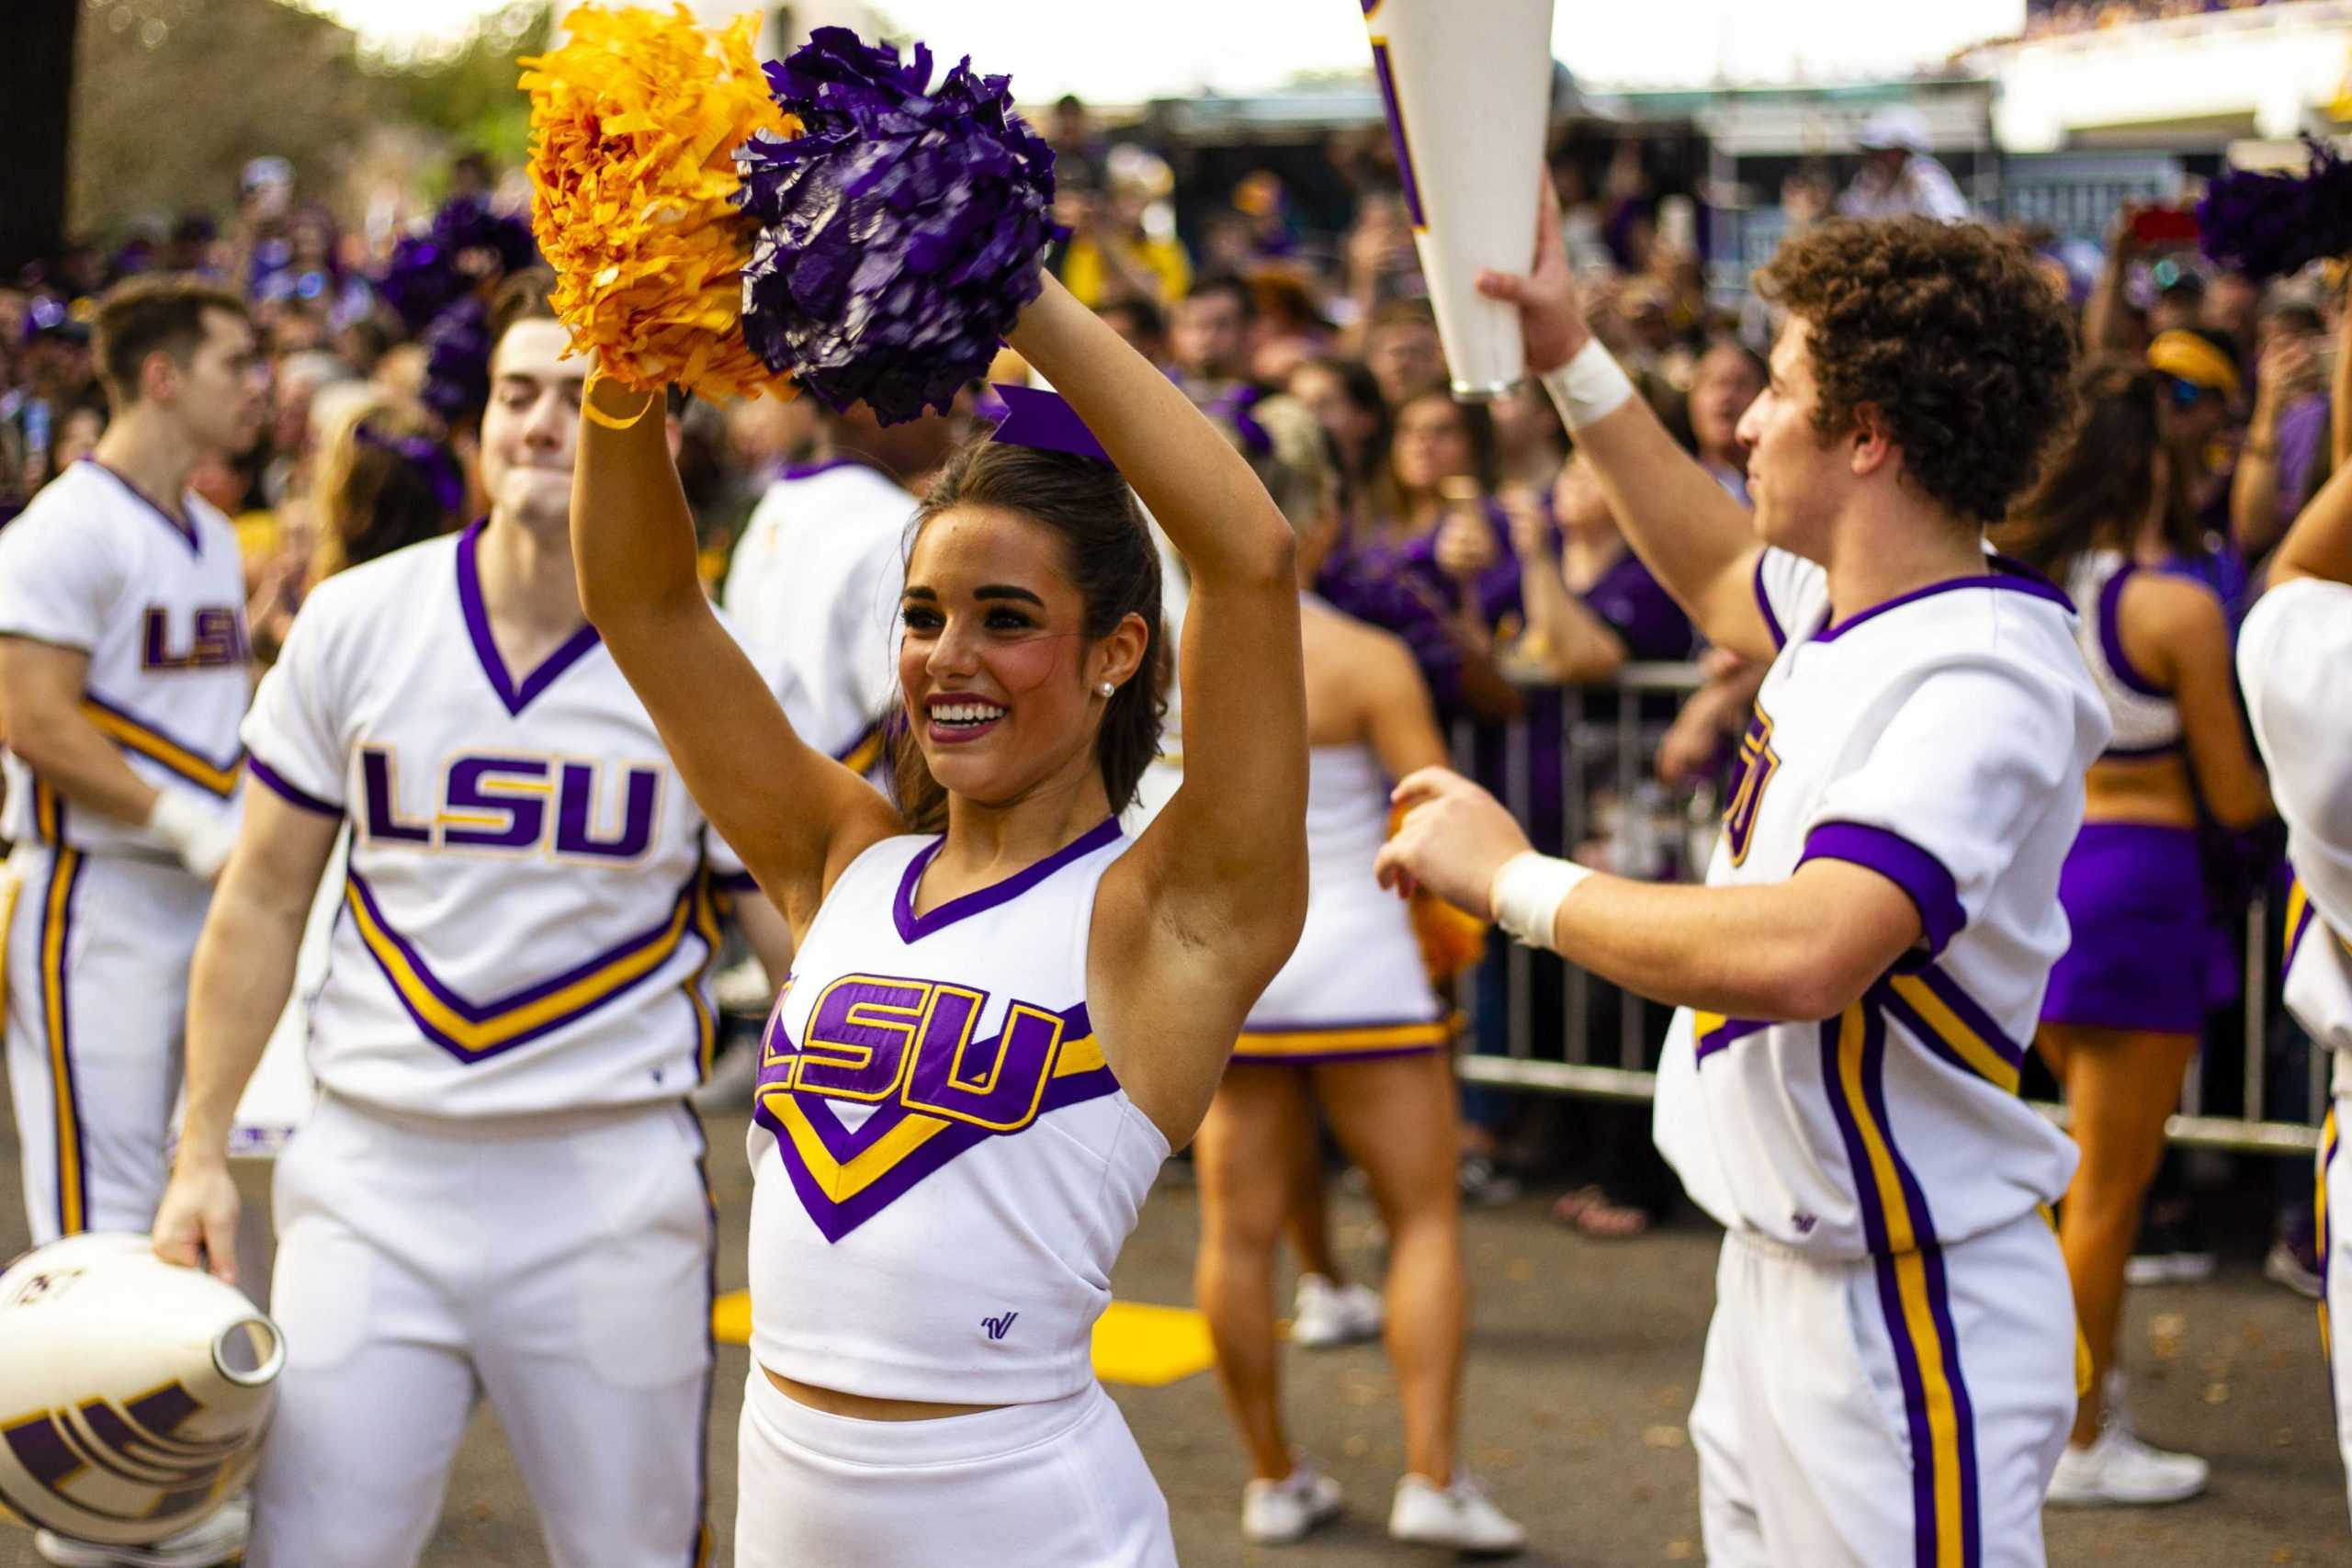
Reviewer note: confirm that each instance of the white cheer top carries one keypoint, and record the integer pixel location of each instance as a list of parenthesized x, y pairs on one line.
[(945, 1167), (1354, 986), (1939, 740), (2146, 716), (157, 602)]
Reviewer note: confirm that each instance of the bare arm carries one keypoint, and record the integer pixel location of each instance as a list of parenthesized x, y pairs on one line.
[(1577, 646), (2175, 630), (1806, 948), (767, 932), (793, 814), (2287, 371), (242, 973), (1690, 534), (41, 687), (1201, 913), (2339, 391)]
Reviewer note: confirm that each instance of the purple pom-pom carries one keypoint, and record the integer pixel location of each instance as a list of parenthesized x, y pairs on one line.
[(2265, 225), (899, 234), (456, 363), (430, 272)]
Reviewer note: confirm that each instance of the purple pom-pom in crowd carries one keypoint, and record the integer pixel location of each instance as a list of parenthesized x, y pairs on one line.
[(457, 362), (430, 272), (2267, 225), (899, 234)]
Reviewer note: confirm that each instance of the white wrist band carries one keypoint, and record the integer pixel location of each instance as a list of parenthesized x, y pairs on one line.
[(1590, 387), (1526, 894), (198, 835)]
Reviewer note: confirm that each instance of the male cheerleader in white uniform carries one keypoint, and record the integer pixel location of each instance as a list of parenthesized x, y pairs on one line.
[(122, 679), (1892, 1366), (816, 575), (500, 1190), (2295, 665)]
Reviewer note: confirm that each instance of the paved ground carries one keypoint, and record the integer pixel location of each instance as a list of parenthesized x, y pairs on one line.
[(1581, 1368)]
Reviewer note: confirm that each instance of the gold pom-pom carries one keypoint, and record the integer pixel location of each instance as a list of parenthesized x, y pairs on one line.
[(634, 125)]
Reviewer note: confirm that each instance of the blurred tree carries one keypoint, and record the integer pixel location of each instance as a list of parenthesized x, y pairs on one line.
[(464, 92), (172, 97), (36, 83)]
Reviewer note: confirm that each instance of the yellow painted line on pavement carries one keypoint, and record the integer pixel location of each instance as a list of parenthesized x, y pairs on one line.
[(1135, 1342)]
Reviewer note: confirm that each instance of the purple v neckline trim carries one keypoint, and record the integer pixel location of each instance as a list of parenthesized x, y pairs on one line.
[(575, 647), (186, 530), (914, 927), (2006, 574)]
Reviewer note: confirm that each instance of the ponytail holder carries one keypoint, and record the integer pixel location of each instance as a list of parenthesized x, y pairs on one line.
[(1040, 420), (612, 422)]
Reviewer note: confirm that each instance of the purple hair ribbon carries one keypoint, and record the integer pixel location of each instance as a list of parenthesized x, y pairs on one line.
[(1042, 420), (429, 458)]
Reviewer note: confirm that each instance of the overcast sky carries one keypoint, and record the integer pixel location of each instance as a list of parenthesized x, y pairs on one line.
[(1128, 51)]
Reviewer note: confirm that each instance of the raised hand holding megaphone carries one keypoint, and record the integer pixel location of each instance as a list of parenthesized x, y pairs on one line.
[(1466, 85)]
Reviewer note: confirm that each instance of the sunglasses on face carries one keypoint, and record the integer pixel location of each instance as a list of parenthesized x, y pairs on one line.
[(2188, 394)]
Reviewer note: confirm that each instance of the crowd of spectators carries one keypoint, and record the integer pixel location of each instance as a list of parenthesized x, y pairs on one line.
[(2051, 18), (1474, 532)]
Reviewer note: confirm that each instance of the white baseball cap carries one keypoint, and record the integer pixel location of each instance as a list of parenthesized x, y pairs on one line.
[(1897, 125)]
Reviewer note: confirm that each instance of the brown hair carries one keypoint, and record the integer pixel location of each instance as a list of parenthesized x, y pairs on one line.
[(2101, 485), (1390, 505), (1108, 552), (522, 297), (161, 314), (1953, 337), (382, 485)]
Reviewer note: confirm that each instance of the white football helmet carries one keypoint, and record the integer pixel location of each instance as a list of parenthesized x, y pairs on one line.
[(132, 1393)]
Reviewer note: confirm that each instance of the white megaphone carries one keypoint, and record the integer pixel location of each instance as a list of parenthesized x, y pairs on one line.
[(132, 1393), (1467, 84)]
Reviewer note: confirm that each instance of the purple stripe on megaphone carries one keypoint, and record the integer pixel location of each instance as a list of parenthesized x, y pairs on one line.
[(1396, 128)]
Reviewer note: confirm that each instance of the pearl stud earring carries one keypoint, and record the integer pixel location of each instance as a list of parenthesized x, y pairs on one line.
[(1108, 688)]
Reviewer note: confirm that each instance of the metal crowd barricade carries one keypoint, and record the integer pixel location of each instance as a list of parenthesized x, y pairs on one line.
[(1609, 1041)]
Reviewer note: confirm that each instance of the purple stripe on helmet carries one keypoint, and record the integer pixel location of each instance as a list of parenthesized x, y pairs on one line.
[(2006, 577), (2111, 638), (1383, 69), (483, 1013), (1764, 603), (1920, 873), (914, 927), (293, 795), (516, 698)]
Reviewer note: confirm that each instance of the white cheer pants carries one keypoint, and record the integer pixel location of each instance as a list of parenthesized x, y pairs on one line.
[(96, 988), (1891, 1413), (559, 1264)]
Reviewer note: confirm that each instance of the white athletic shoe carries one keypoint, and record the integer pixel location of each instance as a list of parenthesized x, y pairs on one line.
[(2121, 1471), (1324, 1314), (217, 1540), (1461, 1516), (1276, 1513)]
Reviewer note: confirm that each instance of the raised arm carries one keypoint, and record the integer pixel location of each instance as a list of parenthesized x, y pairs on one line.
[(1692, 535), (793, 814), (1202, 912), (2319, 543)]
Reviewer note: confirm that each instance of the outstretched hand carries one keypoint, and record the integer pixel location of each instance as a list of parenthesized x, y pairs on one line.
[(1454, 839), (1551, 310)]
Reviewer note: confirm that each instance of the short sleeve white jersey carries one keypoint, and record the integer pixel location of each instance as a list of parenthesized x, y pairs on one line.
[(1940, 739), (2295, 667), (816, 577), (532, 897), (157, 602), (944, 1166)]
